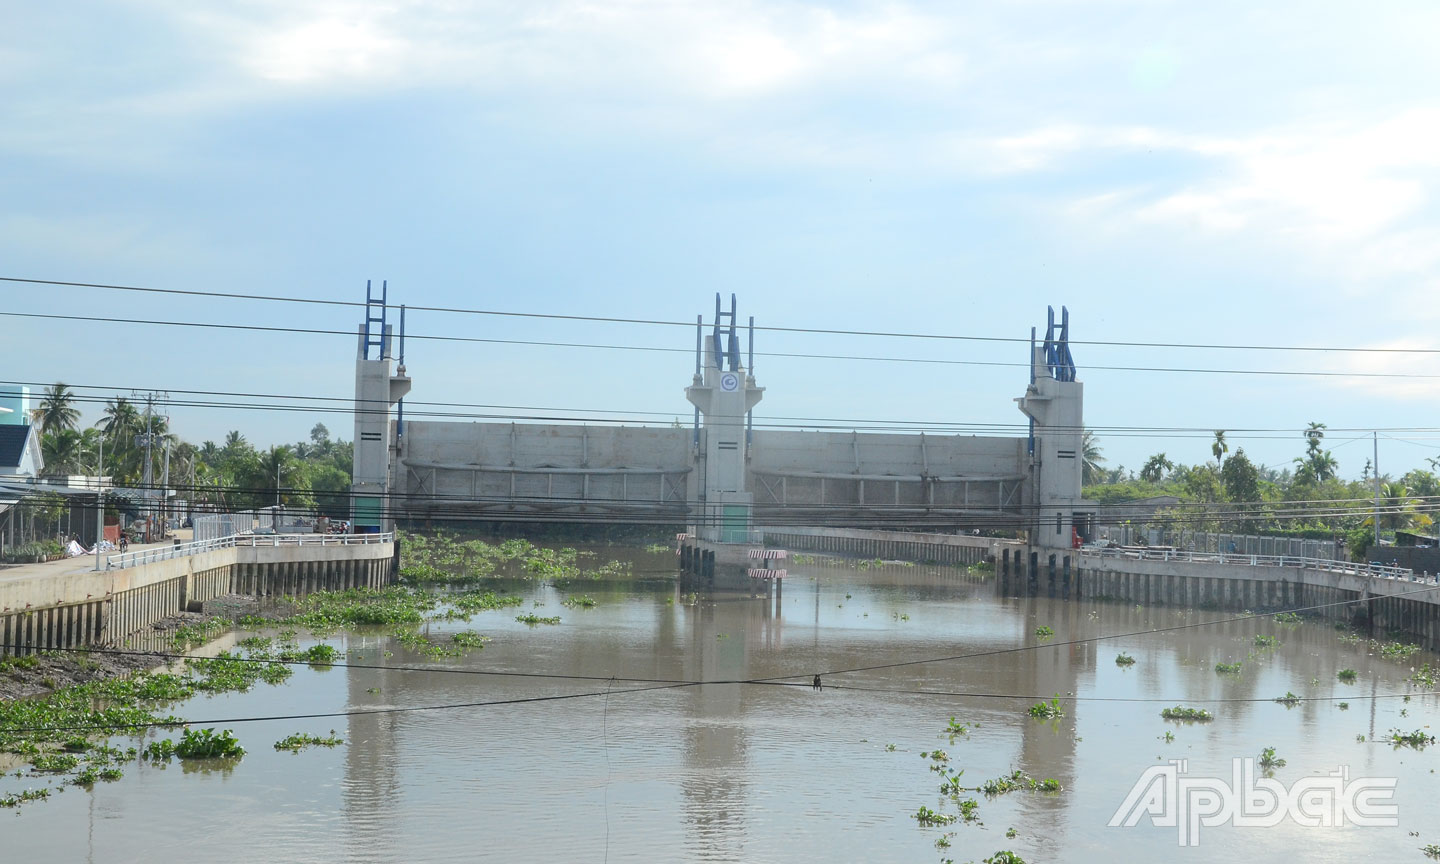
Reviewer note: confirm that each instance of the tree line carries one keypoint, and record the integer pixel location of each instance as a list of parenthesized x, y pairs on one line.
[(232, 475), (1230, 493)]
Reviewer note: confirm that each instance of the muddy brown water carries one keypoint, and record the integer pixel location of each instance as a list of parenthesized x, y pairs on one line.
[(755, 772)]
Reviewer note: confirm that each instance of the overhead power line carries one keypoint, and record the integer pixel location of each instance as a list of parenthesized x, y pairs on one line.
[(664, 323), (1300, 373), (297, 402)]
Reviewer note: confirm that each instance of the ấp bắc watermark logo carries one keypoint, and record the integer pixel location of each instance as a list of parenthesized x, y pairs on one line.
[(1174, 799)]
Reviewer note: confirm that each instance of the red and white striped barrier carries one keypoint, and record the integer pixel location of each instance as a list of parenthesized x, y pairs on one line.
[(686, 536), (773, 554), (767, 574)]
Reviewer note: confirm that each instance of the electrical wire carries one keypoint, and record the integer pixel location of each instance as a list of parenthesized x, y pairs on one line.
[(363, 712), (1305, 373), (687, 324)]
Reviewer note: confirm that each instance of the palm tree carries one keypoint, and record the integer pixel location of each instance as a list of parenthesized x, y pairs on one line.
[(121, 419), (63, 451), (1092, 471), (1155, 468), (1399, 510), (57, 411), (1219, 448)]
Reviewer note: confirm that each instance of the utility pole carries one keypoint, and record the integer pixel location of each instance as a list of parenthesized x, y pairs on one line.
[(99, 502), (1375, 440)]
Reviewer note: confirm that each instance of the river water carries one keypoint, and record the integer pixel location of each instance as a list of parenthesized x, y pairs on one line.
[(755, 772)]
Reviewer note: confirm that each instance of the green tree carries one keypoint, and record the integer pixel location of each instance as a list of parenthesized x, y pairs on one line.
[(57, 411), (1092, 466), (63, 451), (1155, 468), (1240, 478), (1219, 448), (1399, 510)]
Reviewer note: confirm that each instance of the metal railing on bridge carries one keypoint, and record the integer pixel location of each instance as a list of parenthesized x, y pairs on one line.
[(183, 550), (1233, 558)]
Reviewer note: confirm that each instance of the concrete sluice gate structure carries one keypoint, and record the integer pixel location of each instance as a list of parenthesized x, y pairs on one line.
[(724, 478)]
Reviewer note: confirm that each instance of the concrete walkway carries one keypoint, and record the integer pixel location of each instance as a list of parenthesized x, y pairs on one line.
[(84, 563)]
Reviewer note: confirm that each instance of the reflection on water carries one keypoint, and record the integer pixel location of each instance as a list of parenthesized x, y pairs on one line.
[(729, 772)]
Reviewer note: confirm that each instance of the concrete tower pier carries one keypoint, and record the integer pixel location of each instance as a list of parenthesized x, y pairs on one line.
[(1054, 403), (724, 392), (371, 510)]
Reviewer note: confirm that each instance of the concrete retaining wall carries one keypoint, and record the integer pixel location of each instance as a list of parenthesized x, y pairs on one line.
[(68, 610), (902, 545)]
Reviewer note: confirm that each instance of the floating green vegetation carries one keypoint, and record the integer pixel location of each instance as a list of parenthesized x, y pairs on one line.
[(1288, 617), (160, 751), (532, 619), (315, 655), (610, 569), (927, 817), (63, 732), (1347, 675), (583, 601), (1228, 668), (223, 673), (950, 784), (1431, 850), (205, 744), (261, 644), (1011, 833), (1263, 641), (657, 548), (1124, 660), (469, 639), (1268, 760), (1018, 781), (1425, 676), (1343, 706), (1047, 710), (300, 740), (969, 810), (253, 622), (1044, 631), (326, 611), (1395, 650), (889, 748), (1188, 715), (955, 729), (54, 763), (1417, 739), (18, 798), (1168, 736), (1289, 700), (1004, 856), (193, 635), (466, 605), (983, 567)]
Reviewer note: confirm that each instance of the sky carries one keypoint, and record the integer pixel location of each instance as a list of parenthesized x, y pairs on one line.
[(1222, 173)]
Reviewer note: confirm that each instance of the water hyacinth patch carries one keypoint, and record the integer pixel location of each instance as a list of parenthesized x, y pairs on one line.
[(300, 740), (1047, 710), (532, 619), (1189, 715)]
